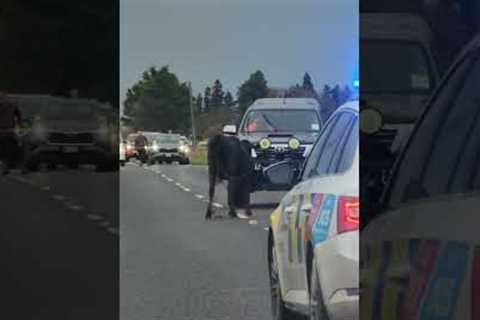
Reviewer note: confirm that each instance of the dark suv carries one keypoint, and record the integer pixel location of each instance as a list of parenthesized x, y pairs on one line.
[(280, 130)]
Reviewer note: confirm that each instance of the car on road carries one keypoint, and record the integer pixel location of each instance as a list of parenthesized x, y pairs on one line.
[(279, 130), (71, 132), (420, 246), (169, 147), (130, 152), (313, 242), (122, 153)]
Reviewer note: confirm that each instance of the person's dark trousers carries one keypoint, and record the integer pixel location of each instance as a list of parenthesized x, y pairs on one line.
[(9, 149)]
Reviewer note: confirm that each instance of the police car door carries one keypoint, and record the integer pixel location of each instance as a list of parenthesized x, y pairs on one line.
[(300, 202)]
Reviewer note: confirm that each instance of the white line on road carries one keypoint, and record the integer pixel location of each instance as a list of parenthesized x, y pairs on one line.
[(58, 197), (186, 189), (217, 205), (199, 196), (112, 230), (74, 207), (266, 229), (253, 222), (169, 180), (94, 217)]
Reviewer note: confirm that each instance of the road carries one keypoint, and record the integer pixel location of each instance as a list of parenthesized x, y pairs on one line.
[(177, 266), (59, 244)]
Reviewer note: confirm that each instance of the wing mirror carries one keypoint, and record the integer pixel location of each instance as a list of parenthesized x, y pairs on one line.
[(230, 129), (371, 121)]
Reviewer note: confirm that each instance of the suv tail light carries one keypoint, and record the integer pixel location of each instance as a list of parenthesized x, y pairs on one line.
[(348, 214)]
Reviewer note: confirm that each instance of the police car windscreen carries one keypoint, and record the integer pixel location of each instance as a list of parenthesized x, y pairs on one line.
[(64, 111), (276, 121), (394, 67)]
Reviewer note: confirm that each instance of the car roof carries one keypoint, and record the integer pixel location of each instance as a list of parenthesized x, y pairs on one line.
[(349, 106), (394, 26), (474, 45), (287, 103)]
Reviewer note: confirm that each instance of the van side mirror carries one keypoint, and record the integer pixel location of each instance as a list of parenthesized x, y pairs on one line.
[(230, 129)]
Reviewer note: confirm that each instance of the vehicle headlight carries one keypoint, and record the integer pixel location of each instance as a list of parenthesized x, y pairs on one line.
[(265, 143), (39, 132), (294, 143), (102, 134), (184, 149), (155, 148)]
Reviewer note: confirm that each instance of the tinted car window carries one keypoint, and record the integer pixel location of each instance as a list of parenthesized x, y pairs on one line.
[(444, 153), (338, 139), (318, 148), (329, 147), (348, 153)]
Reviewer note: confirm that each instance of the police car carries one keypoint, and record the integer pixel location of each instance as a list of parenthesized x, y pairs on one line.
[(279, 130), (421, 247), (314, 234)]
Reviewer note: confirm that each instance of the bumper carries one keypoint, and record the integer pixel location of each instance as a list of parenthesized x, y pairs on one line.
[(164, 156), (66, 154), (337, 264)]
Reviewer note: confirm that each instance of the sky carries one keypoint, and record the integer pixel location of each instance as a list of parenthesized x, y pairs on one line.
[(205, 40)]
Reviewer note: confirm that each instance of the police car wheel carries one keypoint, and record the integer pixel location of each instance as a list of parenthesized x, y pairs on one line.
[(279, 311), (317, 310)]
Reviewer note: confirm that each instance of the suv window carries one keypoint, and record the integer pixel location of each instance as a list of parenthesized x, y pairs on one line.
[(444, 154), (331, 145)]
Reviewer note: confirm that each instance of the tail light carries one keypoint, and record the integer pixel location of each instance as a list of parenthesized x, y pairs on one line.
[(348, 214)]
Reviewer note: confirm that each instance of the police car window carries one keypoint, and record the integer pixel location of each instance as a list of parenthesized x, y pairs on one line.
[(332, 143), (443, 155), (318, 148), (348, 152), (340, 141)]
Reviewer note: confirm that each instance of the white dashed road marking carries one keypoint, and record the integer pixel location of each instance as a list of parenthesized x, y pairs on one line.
[(217, 205), (94, 217), (199, 196)]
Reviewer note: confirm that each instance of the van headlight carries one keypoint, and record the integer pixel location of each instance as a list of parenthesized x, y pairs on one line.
[(294, 143), (265, 143), (184, 149), (155, 147)]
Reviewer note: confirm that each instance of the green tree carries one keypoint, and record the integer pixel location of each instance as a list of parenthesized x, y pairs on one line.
[(207, 97), (199, 103), (228, 99), (159, 102), (252, 89), (217, 94), (307, 83)]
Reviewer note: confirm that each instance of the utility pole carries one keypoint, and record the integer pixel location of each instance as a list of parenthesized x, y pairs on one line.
[(192, 115)]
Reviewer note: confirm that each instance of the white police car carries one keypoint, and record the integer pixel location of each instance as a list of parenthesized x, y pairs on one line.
[(314, 233), (421, 246)]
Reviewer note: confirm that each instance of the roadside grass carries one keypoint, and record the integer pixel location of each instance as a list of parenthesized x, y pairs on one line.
[(199, 157)]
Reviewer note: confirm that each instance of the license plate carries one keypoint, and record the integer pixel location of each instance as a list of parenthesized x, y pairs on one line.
[(168, 155), (70, 149)]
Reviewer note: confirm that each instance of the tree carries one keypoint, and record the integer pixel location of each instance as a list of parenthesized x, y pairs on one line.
[(207, 97), (159, 102), (228, 99), (307, 83), (199, 103), (217, 94), (252, 89)]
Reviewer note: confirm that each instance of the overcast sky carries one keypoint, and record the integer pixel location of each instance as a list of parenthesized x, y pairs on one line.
[(202, 40)]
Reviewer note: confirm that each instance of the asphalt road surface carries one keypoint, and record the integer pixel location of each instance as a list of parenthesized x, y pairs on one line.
[(177, 266), (59, 245)]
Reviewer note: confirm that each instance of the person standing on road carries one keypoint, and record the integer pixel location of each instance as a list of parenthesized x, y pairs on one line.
[(141, 143), (10, 118)]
